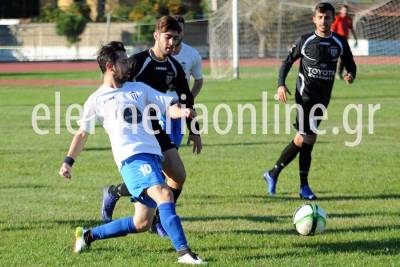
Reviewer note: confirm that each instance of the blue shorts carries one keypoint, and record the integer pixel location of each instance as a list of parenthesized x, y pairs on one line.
[(175, 133), (140, 172)]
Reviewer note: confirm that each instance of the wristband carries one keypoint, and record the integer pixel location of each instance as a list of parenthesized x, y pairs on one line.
[(70, 161)]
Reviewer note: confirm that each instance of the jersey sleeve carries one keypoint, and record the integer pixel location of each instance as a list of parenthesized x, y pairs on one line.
[(196, 68), (88, 120), (348, 60), (294, 54), (163, 101)]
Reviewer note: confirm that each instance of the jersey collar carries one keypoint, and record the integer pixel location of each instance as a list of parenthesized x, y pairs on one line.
[(330, 35)]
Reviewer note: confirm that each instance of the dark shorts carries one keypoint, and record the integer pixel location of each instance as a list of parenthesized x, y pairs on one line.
[(305, 124), (162, 137)]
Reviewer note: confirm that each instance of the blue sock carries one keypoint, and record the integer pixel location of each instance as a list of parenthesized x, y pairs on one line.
[(120, 227), (172, 225)]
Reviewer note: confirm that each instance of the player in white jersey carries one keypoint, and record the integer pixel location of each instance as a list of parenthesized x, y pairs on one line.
[(122, 108), (147, 69), (190, 60)]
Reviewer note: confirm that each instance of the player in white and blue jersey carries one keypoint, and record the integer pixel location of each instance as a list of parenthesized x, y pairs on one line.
[(123, 108), (159, 69)]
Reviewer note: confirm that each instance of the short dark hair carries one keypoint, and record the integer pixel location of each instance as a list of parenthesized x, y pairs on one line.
[(108, 53), (179, 19), (323, 7), (167, 23)]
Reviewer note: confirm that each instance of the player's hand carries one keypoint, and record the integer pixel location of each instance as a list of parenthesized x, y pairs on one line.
[(189, 113), (348, 78), (65, 171), (282, 93), (196, 139)]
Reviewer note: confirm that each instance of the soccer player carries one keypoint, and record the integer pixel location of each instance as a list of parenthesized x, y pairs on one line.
[(123, 108), (319, 52), (342, 25), (157, 68), (190, 60)]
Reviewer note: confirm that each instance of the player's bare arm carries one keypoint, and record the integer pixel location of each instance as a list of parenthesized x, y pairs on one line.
[(175, 112), (77, 145)]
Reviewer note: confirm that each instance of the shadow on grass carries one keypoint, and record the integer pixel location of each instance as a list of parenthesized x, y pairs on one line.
[(361, 214), (235, 218), (292, 231), (31, 225), (357, 229), (23, 186), (360, 197), (209, 199), (374, 247)]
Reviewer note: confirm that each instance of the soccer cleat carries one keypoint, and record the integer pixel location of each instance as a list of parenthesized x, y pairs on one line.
[(108, 205), (271, 183), (190, 258), (307, 193), (80, 243)]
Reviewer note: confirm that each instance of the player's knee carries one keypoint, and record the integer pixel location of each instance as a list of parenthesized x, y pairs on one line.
[(166, 195), (143, 225)]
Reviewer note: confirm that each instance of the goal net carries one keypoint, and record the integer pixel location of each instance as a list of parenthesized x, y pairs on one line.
[(268, 28)]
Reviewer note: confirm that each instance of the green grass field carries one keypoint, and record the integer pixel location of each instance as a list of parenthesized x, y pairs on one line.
[(228, 218)]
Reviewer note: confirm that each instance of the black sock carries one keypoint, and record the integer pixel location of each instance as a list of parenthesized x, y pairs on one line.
[(88, 237), (119, 190), (288, 154), (305, 163), (156, 218), (176, 193), (123, 190)]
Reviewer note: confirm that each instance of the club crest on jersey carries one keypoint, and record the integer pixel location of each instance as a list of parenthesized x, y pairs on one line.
[(169, 78), (134, 95), (334, 51)]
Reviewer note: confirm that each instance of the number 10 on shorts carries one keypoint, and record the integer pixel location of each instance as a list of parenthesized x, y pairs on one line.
[(145, 169)]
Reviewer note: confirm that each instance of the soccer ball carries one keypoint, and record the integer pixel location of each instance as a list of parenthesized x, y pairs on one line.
[(309, 219)]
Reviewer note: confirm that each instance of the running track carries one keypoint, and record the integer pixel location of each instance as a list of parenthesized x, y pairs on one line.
[(26, 67)]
